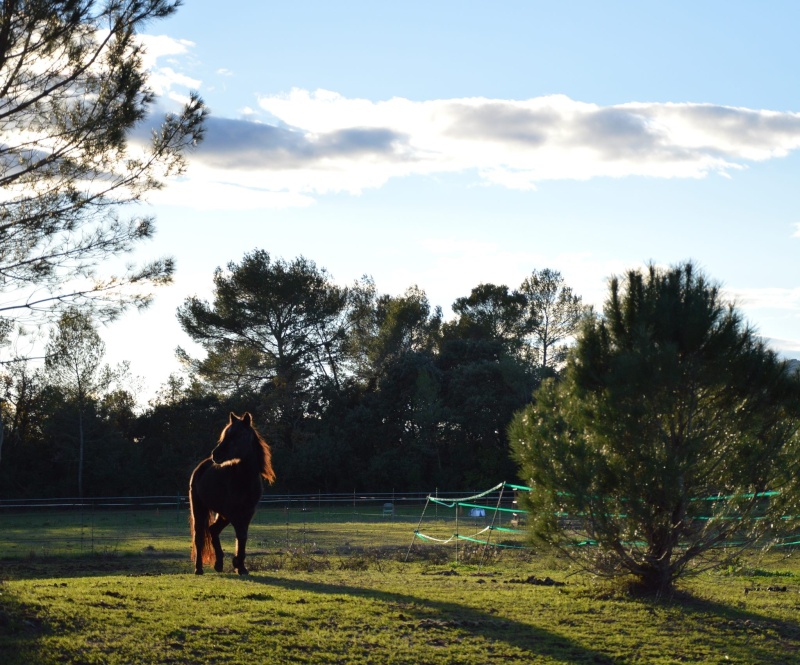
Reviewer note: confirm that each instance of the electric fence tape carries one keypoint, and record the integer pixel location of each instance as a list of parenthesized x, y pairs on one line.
[(467, 502)]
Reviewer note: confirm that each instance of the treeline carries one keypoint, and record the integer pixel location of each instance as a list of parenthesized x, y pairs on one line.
[(355, 390)]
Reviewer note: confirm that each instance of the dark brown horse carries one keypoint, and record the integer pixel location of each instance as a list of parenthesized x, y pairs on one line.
[(229, 484)]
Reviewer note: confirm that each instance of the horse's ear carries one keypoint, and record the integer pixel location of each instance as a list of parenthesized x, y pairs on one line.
[(231, 416), (247, 418)]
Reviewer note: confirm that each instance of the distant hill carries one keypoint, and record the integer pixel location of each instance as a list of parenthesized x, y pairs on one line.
[(794, 365)]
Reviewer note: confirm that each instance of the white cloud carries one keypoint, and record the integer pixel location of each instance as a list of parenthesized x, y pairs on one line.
[(789, 348), (797, 230), (205, 192), (321, 142), (159, 46), (777, 313), (163, 79), (766, 298)]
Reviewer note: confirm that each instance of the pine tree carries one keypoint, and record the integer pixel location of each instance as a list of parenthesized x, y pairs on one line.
[(73, 89), (668, 399)]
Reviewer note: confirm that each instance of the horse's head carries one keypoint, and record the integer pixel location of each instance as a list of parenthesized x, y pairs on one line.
[(237, 441), (240, 441)]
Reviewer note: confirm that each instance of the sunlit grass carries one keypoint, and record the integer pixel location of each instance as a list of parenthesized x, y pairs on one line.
[(370, 607), (328, 589)]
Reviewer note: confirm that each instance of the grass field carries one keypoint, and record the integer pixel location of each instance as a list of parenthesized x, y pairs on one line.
[(165, 532), (363, 604)]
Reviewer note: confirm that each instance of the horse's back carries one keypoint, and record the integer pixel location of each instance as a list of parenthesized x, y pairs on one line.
[(204, 486), (221, 489), (198, 473)]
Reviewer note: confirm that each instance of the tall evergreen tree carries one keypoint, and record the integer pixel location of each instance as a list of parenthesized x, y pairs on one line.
[(494, 313), (668, 400), (275, 327)]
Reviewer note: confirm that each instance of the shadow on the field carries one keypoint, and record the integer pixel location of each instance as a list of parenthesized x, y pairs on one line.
[(423, 614), (743, 635), (740, 634)]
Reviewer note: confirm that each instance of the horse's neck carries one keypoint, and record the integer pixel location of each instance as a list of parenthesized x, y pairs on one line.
[(241, 467)]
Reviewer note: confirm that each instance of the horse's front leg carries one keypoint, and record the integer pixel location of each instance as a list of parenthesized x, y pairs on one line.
[(219, 524), (241, 529), (198, 536)]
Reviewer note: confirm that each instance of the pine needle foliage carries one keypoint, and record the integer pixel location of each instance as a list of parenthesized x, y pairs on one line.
[(74, 111), (658, 446)]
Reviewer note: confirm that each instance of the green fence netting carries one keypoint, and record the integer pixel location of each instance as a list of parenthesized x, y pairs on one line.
[(484, 535)]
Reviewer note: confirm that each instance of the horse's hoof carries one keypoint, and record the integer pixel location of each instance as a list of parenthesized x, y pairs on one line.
[(218, 566), (198, 571), (243, 571)]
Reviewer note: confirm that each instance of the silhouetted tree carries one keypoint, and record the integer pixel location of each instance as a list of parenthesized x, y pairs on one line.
[(73, 88), (487, 377), (553, 314), (275, 327), (173, 435), (74, 356), (492, 312)]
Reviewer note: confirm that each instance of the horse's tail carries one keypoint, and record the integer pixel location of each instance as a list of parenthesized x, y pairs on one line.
[(200, 518), (200, 522)]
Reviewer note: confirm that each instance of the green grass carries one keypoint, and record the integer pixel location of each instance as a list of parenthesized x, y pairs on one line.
[(369, 607), (328, 590), (165, 532)]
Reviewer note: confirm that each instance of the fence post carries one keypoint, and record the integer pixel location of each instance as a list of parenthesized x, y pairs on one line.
[(92, 514), (80, 517), (456, 532), (286, 511)]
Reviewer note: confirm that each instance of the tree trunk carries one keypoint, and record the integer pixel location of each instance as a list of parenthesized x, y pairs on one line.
[(659, 571), (80, 453), (657, 580)]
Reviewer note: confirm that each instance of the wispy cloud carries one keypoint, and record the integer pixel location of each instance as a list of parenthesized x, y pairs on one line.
[(767, 298), (159, 46), (777, 310), (163, 79), (246, 145), (786, 347), (319, 142)]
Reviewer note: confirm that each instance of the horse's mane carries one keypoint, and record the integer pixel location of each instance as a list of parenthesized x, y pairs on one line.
[(263, 451), (265, 457)]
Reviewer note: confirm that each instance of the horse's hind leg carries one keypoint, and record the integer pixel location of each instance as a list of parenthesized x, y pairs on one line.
[(241, 528), (218, 525)]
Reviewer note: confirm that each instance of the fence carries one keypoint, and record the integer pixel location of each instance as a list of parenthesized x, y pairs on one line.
[(159, 525)]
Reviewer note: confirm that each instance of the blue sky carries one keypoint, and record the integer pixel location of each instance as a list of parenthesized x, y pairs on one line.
[(446, 144)]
